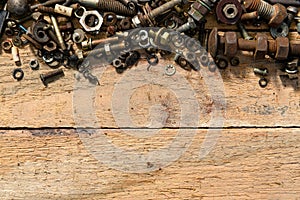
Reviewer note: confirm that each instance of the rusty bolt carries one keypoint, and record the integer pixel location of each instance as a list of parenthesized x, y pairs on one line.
[(274, 13)]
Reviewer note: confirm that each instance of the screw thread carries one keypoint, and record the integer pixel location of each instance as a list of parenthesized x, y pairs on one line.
[(42, 8), (115, 6), (263, 8), (157, 11)]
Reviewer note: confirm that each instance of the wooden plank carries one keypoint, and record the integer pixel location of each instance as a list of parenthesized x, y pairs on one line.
[(244, 164), (28, 103)]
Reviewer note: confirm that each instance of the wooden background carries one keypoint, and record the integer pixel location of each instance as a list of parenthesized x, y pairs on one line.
[(256, 155)]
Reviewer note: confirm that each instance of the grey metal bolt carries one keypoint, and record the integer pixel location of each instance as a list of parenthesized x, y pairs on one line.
[(263, 72), (58, 33), (161, 9), (51, 76), (244, 33), (187, 26)]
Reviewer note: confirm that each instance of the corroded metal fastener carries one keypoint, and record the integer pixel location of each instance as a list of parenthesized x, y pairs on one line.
[(274, 13), (51, 76)]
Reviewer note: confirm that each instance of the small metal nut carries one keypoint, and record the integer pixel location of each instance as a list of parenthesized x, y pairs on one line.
[(280, 31), (125, 24), (98, 21), (18, 74), (230, 11), (34, 64), (109, 19), (263, 82), (50, 46), (6, 45), (117, 63)]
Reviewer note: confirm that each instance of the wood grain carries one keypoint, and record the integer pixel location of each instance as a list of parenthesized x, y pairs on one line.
[(28, 103), (244, 164), (255, 151)]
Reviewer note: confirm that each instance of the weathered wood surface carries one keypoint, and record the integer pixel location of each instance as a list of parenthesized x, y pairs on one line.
[(254, 156), (29, 104), (244, 164)]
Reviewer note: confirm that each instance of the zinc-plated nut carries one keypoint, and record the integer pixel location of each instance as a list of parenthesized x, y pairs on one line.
[(117, 63), (230, 11), (6, 45), (34, 64), (89, 14)]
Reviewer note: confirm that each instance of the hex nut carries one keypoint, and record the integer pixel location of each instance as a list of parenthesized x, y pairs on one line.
[(280, 13), (34, 64), (125, 24), (91, 13), (282, 48), (231, 44), (50, 46), (261, 46), (6, 45)]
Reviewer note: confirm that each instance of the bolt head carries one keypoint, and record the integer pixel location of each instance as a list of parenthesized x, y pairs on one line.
[(280, 13)]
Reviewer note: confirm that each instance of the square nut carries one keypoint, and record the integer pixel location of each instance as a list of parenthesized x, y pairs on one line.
[(282, 48), (231, 44), (261, 46)]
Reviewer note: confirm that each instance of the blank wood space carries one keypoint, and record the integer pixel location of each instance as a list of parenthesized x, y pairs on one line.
[(244, 164)]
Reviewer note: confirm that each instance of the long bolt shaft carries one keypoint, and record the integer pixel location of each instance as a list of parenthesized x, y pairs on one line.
[(58, 33), (157, 11)]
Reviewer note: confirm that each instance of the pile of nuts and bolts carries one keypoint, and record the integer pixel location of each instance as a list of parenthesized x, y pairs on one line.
[(64, 32)]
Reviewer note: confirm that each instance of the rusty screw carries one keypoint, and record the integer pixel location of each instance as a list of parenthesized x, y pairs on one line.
[(274, 13), (51, 76)]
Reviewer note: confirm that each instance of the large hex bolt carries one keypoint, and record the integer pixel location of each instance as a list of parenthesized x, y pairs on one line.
[(274, 13)]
